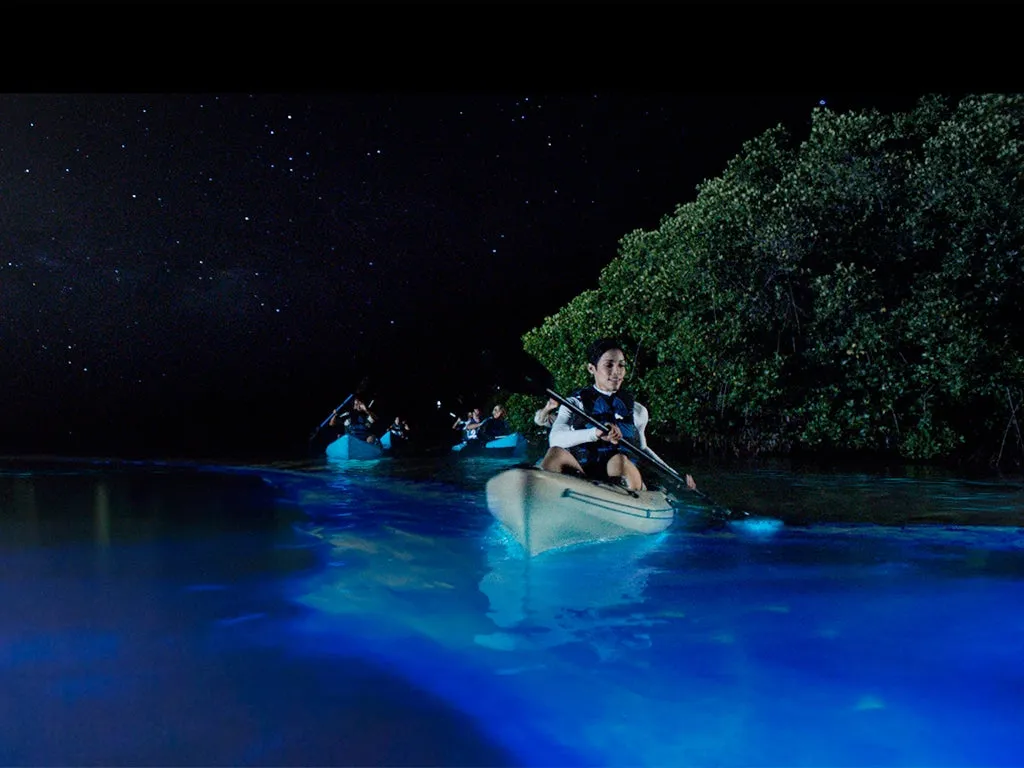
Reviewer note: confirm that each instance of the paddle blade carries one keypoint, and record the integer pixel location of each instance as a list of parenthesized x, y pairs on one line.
[(518, 372), (365, 388)]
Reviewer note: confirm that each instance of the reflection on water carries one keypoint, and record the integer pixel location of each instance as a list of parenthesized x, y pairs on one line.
[(814, 498), (915, 495), (295, 615), (23, 510), (134, 604), (554, 601), (102, 515)]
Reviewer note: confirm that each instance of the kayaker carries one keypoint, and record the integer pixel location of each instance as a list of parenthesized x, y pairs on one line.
[(399, 428), (472, 424), (357, 421), (494, 426), (577, 446), (545, 416)]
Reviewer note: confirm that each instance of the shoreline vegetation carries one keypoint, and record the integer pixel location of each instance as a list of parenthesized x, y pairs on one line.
[(849, 294), (685, 454)]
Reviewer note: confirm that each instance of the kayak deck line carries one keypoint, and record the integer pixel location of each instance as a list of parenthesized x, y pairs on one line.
[(549, 510), (622, 509)]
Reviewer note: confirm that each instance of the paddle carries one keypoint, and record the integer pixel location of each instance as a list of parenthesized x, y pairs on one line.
[(330, 416), (459, 421), (537, 380)]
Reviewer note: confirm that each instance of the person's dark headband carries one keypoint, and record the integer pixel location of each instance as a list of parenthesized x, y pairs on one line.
[(599, 347)]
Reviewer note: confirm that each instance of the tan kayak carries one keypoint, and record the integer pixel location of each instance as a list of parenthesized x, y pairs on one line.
[(546, 510)]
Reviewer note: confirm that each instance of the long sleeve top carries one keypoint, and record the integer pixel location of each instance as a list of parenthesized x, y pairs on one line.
[(562, 434), (542, 419)]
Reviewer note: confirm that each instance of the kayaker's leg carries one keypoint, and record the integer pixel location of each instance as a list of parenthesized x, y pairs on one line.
[(559, 460), (620, 466)]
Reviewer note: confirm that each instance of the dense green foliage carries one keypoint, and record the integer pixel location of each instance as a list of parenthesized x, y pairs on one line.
[(856, 290)]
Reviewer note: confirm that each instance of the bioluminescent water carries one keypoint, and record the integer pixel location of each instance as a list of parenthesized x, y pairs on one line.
[(318, 614)]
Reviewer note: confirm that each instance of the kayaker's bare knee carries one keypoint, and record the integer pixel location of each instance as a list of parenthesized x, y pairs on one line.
[(621, 467), (559, 460)]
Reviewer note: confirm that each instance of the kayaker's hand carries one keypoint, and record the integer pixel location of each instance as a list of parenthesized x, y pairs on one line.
[(613, 435), (691, 483)]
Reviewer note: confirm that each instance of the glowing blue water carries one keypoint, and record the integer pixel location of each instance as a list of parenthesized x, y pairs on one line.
[(301, 617)]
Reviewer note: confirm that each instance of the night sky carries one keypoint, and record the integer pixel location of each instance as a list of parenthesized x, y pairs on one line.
[(203, 274)]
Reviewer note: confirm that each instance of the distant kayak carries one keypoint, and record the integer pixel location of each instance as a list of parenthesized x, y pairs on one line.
[(546, 510), (507, 446), (348, 448)]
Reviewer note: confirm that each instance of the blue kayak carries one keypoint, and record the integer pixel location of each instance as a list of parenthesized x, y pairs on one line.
[(348, 448), (507, 446)]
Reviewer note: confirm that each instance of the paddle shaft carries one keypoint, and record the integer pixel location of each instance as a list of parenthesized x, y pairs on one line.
[(624, 442), (333, 413)]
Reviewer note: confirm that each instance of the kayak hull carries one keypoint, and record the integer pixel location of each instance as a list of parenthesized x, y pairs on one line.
[(547, 510), (512, 446), (348, 448)]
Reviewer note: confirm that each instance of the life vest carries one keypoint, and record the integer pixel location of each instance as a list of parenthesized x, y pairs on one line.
[(495, 428), (358, 426), (616, 409)]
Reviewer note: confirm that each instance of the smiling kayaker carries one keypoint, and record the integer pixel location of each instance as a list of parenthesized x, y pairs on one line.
[(577, 446)]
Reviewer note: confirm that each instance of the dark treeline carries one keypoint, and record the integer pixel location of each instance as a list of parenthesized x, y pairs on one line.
[(857, 290)]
